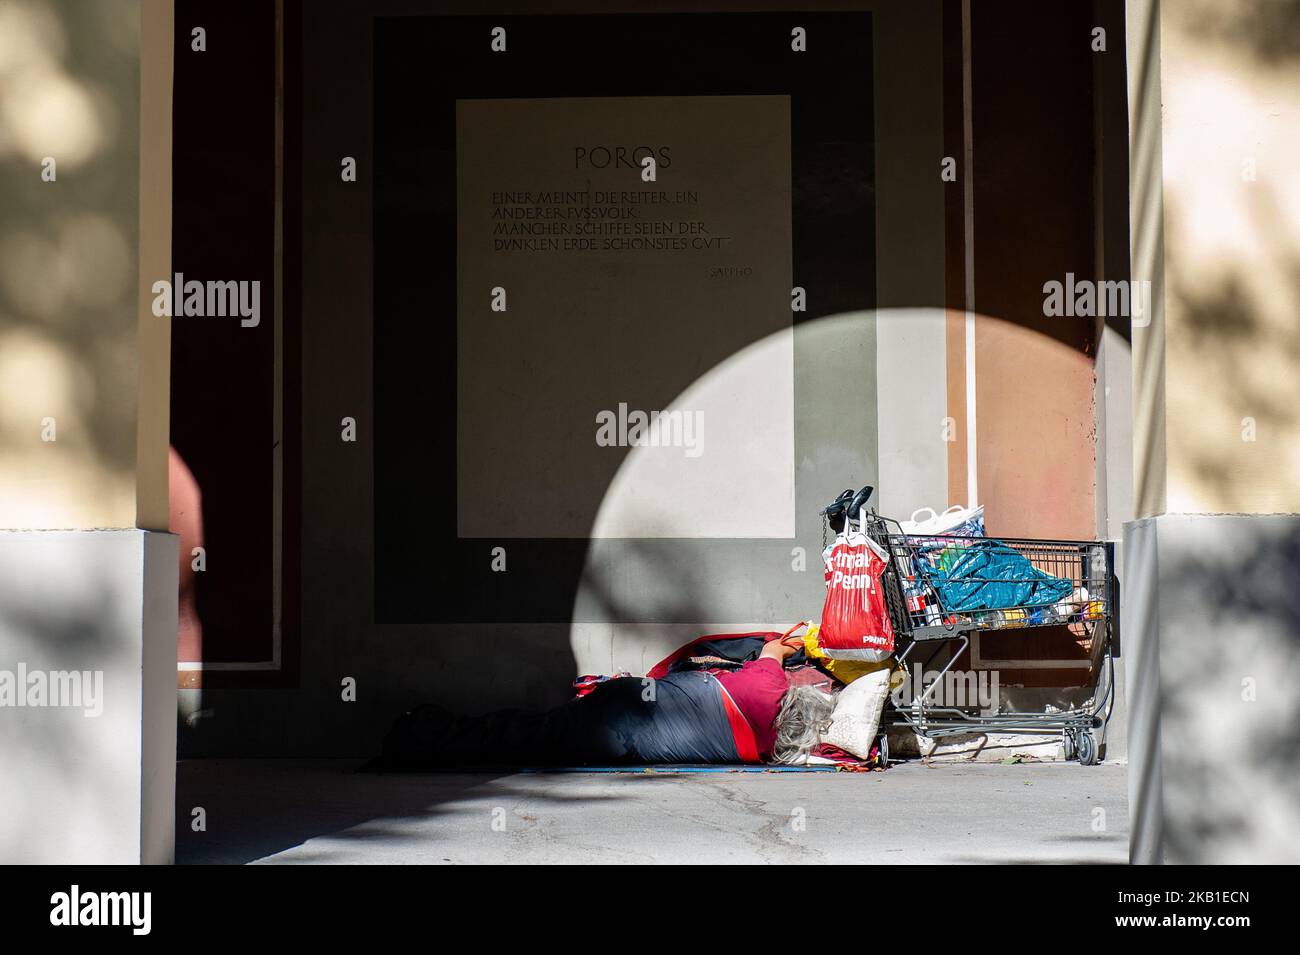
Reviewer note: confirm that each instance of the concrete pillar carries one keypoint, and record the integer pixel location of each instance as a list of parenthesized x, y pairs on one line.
[(1212, 635), (88, 571), (1210, 622)]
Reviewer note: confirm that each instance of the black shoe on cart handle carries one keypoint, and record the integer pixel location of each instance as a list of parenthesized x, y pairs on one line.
[(847, 503), (859, 501)]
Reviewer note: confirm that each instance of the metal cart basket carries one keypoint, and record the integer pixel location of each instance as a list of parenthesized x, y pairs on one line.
[(934, 615)]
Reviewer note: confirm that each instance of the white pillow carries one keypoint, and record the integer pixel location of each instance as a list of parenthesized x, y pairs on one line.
[(857, 714)]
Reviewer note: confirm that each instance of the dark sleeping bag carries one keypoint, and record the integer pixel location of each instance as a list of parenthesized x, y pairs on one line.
[(676, 718), (737, 648)]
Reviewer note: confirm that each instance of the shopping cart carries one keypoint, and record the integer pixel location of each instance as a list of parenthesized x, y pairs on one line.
[(935, 615)]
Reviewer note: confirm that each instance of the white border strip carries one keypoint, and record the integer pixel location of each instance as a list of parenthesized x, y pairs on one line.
[(968, 193)]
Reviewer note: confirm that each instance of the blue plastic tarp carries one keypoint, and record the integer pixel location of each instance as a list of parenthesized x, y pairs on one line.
[(989, 575)]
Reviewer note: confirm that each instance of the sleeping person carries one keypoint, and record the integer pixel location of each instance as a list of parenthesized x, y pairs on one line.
[(749, 715)]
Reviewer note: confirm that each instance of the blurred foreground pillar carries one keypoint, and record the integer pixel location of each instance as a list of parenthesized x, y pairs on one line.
[(1211, 622), (88, 571)]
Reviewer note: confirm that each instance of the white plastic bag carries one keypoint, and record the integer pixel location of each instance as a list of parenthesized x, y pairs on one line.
[(957, 521)]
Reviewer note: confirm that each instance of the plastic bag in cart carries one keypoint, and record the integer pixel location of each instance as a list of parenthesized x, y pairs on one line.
[(957, 521), (855, 621)]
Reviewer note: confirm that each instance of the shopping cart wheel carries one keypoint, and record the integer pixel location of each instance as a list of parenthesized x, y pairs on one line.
[(1087, 749), (1068, 749), (883, 744)]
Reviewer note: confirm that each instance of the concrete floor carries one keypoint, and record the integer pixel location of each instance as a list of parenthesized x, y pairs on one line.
[(289, 811)]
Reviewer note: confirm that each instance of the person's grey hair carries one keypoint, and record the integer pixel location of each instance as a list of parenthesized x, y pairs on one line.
[(805, 714)]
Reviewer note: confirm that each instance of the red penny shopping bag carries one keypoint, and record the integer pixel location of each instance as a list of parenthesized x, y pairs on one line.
[(855, 620)]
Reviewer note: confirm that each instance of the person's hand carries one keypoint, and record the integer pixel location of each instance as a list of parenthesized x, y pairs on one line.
[(784, 647), (778, 650)]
